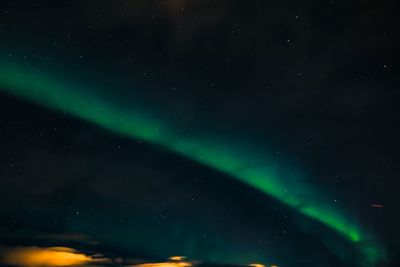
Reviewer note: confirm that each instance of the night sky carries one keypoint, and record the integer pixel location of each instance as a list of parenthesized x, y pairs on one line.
[(233, 133)]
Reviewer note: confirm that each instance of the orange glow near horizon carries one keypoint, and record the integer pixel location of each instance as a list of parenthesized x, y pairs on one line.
[(68, 257), (51, 256), (165, 264), (256, 265)]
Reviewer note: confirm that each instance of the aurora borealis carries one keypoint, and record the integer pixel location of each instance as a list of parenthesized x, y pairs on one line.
[(244, 134), (208, 152), (218, 155)]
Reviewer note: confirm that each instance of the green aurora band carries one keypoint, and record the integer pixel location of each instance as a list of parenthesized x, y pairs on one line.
[(79, 102)]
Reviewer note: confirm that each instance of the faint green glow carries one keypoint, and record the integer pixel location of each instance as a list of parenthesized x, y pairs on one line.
[(79, 102)]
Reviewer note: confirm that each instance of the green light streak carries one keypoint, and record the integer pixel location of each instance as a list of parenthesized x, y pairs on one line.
[(77, 101)]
